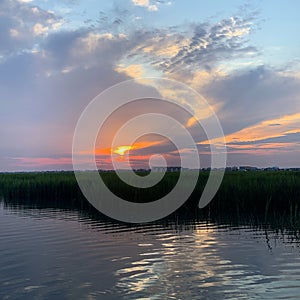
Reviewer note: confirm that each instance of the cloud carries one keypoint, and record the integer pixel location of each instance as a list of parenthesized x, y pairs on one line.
[(49, 74), (41, 103), (250, 96), (273, 136), (83, 48), (145, 3), (39, 29), (266, 131), (23, 25), (133, 71), (203, 45), (193, 50), (37, 162)]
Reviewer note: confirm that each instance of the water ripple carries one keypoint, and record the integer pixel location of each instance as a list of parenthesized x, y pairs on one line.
[(59, 253)]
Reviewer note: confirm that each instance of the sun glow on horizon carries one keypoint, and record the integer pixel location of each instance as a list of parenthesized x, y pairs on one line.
[(121, 150)]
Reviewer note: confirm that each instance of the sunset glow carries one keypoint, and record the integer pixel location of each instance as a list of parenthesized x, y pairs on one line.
[(54, 60), (122, 149)]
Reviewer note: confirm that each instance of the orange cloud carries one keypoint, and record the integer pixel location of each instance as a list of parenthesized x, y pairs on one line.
[(134, 71), (263, 146), (267, 129), (121, 149), (273, 128), (42, 161)]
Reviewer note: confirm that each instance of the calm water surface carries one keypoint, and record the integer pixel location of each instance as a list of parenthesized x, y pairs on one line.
[(66, 254)]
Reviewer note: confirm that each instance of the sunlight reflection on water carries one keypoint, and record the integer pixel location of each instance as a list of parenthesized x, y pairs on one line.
[(57, 253)]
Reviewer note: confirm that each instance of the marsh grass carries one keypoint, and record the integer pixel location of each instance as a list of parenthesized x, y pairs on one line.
[(39, 187), (271, 196)]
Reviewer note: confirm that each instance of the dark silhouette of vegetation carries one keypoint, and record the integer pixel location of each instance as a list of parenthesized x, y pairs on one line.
[(267, 195)]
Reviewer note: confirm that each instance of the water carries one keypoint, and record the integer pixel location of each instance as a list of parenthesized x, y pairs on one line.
[(48, 253)]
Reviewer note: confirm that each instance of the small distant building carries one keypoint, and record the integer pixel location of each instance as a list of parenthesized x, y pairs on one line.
[(231, 169), (248, 168), (166, 169), (293, 169), (272, 169), (141, 170), (206, 169)]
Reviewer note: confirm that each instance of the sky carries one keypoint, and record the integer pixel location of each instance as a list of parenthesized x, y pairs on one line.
[(56, 56)]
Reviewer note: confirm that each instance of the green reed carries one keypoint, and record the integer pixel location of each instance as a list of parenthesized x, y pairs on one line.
[(273, 195)]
